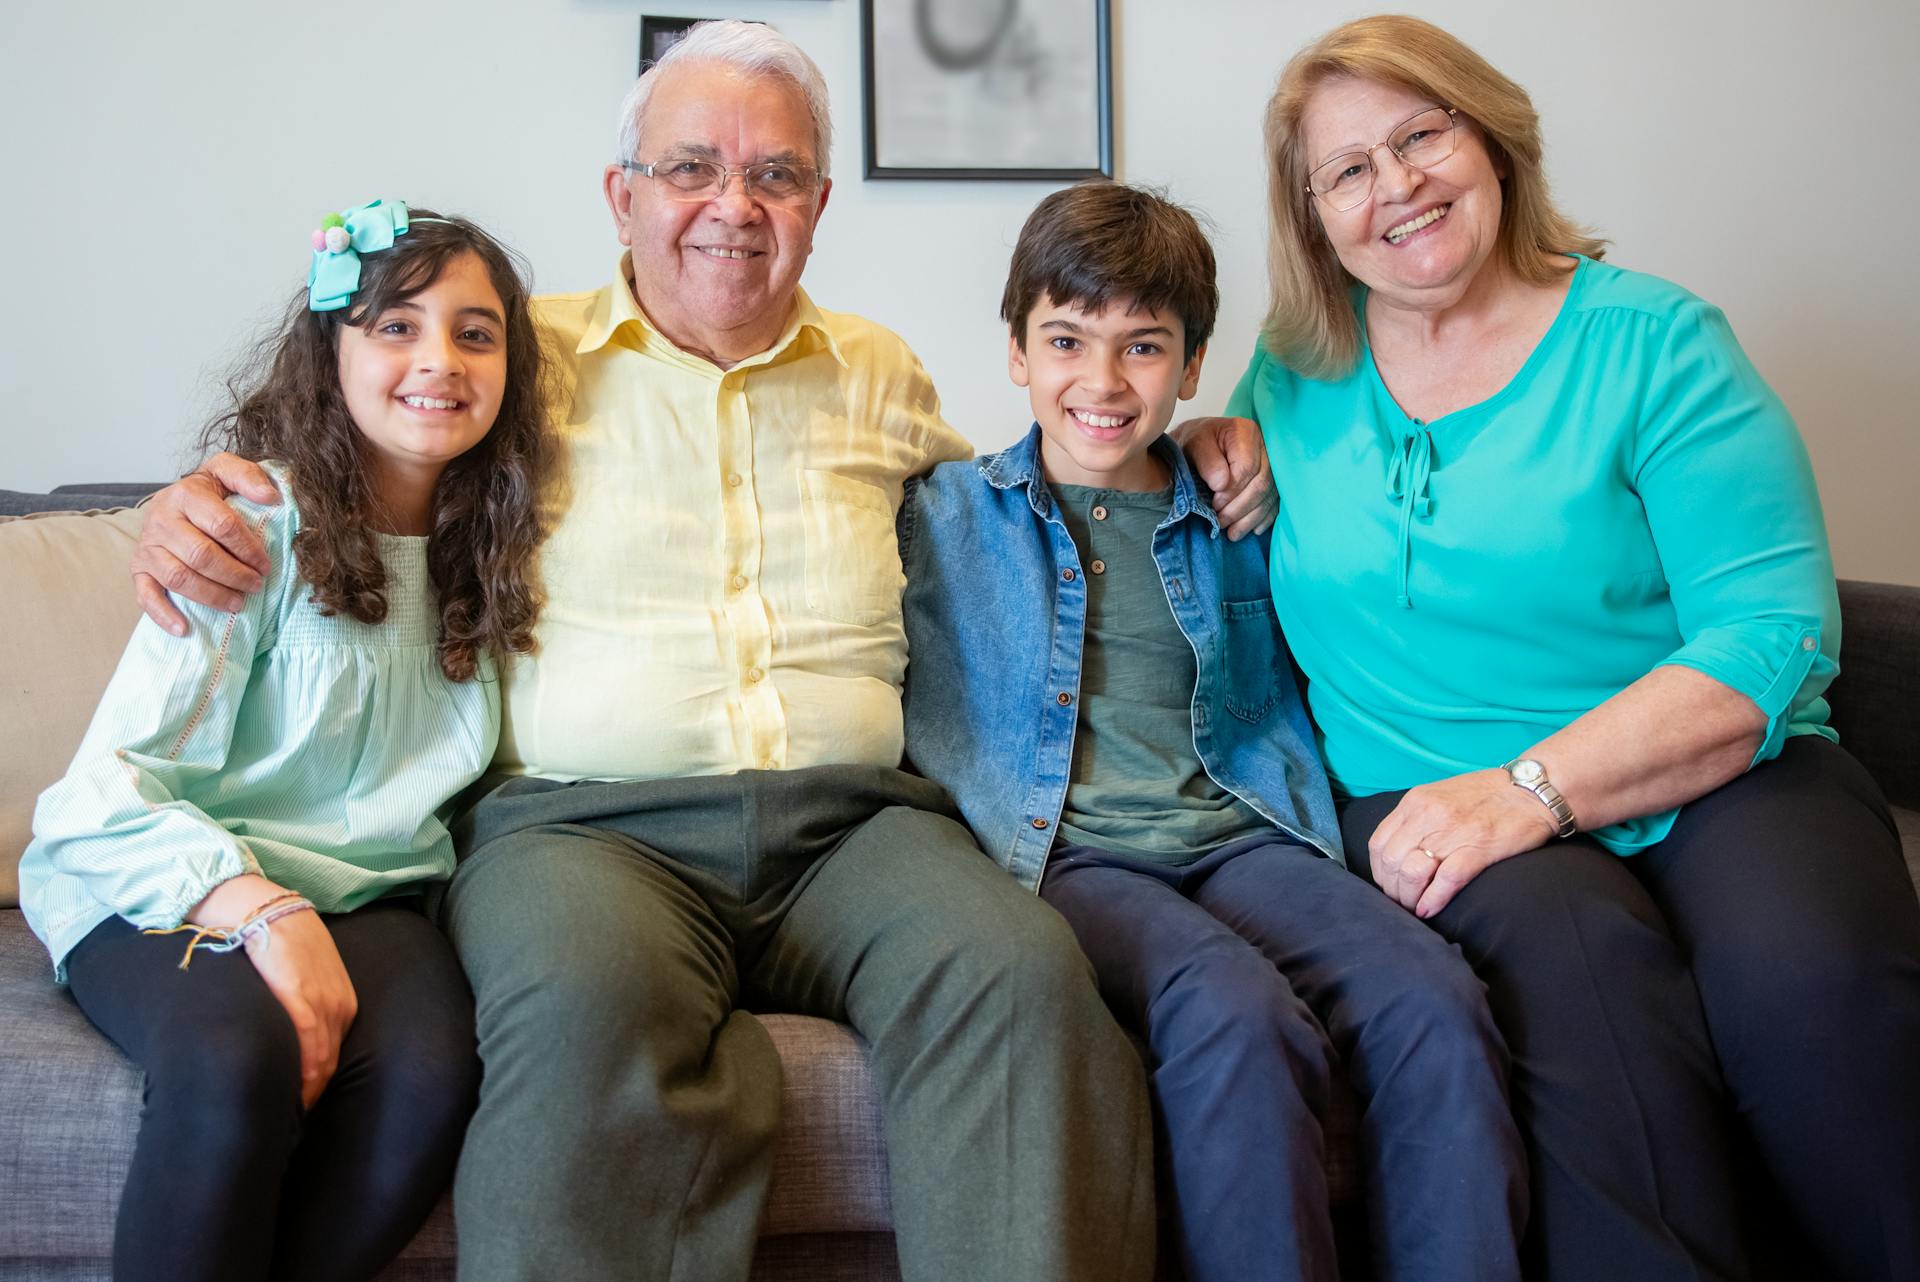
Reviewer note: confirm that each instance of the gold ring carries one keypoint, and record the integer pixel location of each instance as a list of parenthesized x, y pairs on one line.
[(1428, 853)]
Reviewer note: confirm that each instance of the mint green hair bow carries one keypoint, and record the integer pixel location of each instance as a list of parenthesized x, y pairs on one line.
[(338, 244)]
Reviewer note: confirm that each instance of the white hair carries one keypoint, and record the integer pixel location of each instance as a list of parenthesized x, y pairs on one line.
[(749, 47)]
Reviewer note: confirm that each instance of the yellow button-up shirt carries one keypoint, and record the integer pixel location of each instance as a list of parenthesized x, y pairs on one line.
[(723, 582)]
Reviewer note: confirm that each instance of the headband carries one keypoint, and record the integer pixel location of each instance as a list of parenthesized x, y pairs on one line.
[(338, 243)]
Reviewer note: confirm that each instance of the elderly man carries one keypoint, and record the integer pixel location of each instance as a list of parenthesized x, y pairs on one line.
[(706, 807)]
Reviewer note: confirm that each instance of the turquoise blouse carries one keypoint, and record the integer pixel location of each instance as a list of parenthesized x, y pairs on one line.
[(318, 751), (1456, 591)]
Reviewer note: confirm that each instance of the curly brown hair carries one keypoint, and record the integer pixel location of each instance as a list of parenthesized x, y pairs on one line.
[(487, 524)]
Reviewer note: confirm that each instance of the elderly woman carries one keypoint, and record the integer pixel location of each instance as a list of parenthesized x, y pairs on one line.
[(1551, 558)]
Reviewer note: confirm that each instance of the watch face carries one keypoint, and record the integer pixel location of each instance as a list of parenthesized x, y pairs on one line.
[(1526, 771)]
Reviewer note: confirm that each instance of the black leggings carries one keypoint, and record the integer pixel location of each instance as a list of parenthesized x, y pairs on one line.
[(230, 1180), (1749, 986)]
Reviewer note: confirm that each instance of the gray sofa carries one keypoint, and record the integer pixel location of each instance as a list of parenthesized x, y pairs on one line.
[(69, 1103)]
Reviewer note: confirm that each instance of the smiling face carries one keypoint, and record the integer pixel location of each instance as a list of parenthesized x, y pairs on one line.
[(718, 276), (424, 379), (1103, 386), (1420, 240)]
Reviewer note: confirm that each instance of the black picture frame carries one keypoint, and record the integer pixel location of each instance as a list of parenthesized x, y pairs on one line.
[(657, 35), (923, 95)]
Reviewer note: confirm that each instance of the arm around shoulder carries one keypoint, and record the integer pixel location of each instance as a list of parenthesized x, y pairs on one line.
[(191, 543)]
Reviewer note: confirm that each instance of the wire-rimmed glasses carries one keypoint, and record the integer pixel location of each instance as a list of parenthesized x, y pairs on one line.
[(775, 182), (1421, 141)]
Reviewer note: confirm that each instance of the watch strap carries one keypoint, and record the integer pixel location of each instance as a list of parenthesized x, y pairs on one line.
[(1549, 796)]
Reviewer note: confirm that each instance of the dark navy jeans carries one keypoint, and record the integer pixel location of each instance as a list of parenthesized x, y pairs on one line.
[(1257, 973)]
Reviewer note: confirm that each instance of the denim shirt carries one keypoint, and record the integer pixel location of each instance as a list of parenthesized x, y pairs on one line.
[(996, 613)]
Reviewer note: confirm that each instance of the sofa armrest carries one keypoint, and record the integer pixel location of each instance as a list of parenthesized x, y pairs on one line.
[(1876, 698)]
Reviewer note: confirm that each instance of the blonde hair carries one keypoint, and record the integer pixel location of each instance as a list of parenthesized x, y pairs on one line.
[(1310, 323)]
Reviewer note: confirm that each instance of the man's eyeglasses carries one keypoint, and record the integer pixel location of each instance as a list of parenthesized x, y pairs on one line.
[(1421, 142), (773, 182)]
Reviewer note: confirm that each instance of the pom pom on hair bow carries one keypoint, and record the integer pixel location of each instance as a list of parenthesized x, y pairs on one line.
[(338, 243)]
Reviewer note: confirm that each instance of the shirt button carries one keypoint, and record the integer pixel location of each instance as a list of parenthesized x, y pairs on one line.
[(1807, 643), (1067, 576), (1064, 698), (770, 764), (739, 582), (733, 479), (1098, 567), (1099, 513), (1039, 823), (754, 674)]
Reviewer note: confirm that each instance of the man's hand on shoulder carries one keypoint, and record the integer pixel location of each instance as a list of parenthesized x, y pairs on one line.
[(1231, 458), (194, 544)]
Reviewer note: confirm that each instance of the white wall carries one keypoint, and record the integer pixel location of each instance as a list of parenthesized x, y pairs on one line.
[(162, 166)]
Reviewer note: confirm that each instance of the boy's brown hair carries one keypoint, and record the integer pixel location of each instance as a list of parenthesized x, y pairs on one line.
[(1103, 242)]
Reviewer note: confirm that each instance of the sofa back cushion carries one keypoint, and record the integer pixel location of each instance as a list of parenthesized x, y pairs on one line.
[(64, 575)]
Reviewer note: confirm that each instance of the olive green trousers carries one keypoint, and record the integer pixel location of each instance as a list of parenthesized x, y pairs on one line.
[(614, 931)]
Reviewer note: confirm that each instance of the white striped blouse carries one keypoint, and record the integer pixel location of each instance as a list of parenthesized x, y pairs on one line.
[(318, 751)]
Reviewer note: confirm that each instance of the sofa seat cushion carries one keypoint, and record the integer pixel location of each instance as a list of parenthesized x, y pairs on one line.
[(70, 1106)]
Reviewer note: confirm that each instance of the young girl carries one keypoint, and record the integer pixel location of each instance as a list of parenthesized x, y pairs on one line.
[(229, 875)]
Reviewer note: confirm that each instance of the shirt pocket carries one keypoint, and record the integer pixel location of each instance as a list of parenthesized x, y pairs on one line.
[(1253, 658), (853, 555)]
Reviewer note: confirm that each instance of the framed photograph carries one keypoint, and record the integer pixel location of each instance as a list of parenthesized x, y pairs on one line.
[(657, 35), (1010, 89)]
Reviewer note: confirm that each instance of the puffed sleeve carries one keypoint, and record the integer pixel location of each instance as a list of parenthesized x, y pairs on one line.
[(118, 820), (1731, 502)]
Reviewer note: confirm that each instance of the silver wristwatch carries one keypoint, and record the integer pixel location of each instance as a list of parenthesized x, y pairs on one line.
[(1531, 775)]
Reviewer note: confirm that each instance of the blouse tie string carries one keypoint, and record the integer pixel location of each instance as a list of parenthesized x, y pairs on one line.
[(1407, 476)]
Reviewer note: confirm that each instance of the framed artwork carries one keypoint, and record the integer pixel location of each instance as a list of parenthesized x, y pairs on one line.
[(657, 35), (1008, 89)]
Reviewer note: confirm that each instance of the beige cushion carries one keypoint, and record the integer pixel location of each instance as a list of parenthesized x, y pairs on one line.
[(64, 577)]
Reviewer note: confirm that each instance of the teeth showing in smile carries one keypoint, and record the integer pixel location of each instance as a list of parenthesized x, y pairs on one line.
[(430, 403), (1412, 225), (1103, 420), (714, 251)]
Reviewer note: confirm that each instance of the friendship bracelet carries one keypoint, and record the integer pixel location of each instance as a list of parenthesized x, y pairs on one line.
[(215, 939), (277, 899), (200, 935)]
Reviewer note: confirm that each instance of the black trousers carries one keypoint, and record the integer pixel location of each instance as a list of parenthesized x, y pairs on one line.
[(1747, 989), (230, 1179)]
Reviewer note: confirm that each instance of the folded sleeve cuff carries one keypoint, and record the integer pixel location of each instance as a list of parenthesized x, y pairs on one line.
[(1783, 667)]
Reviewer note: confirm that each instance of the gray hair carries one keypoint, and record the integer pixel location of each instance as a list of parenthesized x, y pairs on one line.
[(749, 47)]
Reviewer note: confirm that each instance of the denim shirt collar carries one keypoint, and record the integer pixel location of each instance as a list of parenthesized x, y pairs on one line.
[(1019, 465)]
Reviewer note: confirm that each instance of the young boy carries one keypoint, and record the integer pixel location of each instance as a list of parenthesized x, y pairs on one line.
[(1097, 677)]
